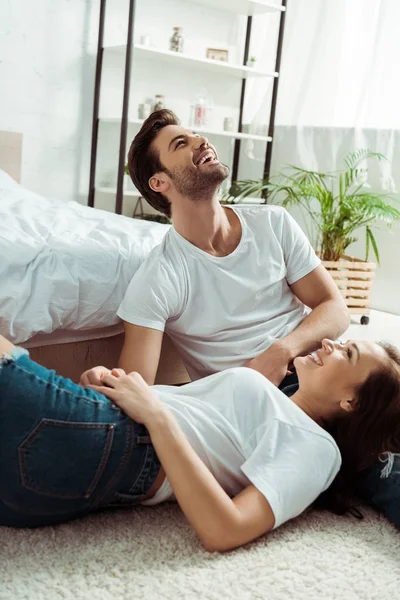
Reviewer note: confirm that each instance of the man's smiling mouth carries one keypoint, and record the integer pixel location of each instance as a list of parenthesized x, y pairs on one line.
[(206, 157)]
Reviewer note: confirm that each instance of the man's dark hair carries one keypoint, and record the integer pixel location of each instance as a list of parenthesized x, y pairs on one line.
[(144, 161)]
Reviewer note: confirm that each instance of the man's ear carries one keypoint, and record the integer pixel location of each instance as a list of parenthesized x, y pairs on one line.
[(159, 182)]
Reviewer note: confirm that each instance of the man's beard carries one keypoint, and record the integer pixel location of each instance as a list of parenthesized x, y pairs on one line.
[(201, 184)]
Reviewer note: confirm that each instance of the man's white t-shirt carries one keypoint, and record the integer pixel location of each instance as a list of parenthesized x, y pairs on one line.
[(246, 431), (223, 311)]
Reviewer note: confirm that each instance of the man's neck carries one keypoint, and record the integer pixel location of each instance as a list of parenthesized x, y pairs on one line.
[(208, 225)]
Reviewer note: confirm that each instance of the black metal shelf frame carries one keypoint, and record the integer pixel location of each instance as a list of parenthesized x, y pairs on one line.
[(125, 105)]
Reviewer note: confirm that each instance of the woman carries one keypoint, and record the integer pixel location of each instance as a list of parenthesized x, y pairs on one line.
[(238, 455)]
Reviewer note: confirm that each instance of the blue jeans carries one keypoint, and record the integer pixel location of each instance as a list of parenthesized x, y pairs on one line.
[(65, 451), (380, 486)]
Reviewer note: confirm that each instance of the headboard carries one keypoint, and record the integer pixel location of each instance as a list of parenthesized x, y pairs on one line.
[(11, 153)]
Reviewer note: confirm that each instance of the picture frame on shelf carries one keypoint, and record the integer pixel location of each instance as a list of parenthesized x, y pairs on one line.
[(217, 54)]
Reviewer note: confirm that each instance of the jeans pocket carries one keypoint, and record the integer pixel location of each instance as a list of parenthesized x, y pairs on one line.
[(65, 459)]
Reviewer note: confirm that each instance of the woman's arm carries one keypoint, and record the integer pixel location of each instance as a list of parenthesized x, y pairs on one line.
[(222, 523)]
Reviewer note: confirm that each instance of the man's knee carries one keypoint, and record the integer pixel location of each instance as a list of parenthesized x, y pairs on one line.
[(5, 346)]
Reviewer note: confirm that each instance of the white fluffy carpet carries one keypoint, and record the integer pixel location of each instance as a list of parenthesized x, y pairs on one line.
[(152, 554)]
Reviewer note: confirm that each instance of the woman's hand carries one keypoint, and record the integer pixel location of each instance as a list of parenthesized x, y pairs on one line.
[(94, 376), (132, 394)]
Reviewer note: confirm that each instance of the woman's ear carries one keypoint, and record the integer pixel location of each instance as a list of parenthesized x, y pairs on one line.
[(159, 183), (348, 405)]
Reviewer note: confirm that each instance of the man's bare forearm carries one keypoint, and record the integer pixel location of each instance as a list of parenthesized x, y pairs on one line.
[(328, 320)]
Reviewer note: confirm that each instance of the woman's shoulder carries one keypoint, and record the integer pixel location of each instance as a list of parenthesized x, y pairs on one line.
[(248, 376)]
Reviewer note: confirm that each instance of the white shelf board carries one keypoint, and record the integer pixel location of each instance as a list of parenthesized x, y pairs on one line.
[(253, 200), (242, 7), (231, 134), (235, 135), (168, 56), (135, 194), (113, 192)]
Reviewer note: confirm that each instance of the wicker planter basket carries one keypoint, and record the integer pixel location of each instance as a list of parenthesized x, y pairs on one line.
[(354, 279)]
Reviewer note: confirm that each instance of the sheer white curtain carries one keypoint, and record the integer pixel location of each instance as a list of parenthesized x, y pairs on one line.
[(340, 86), (340, 64), (339, 91)]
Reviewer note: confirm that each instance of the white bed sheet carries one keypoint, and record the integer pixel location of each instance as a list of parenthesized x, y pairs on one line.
[(64, 267)]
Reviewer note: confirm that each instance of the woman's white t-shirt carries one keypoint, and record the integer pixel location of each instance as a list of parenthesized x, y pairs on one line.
[(223, 311), (246, 431)]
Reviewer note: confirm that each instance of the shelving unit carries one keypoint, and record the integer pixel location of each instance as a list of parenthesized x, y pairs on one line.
[(138, 52)]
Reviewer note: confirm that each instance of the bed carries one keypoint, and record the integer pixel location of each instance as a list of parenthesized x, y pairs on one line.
[(63, 273)]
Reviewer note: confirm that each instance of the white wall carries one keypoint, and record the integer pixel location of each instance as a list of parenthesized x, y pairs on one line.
[(47, 70), (46, 89)]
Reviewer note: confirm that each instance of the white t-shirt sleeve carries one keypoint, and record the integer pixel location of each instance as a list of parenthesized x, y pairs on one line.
[(300, 258), (153, 296), (291, 467)]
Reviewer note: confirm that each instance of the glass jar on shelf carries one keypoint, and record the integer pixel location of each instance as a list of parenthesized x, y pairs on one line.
[(228, 124), (159, 102), (176, 41), (144, 110), (201, 111)]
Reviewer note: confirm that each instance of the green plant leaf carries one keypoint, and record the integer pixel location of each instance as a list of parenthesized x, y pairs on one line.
[(353, 159), (370, 239)]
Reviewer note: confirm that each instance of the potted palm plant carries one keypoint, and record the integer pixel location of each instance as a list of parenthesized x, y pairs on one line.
[(337, 205)]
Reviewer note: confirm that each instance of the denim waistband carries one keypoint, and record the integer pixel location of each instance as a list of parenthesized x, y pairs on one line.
[(14, 355)]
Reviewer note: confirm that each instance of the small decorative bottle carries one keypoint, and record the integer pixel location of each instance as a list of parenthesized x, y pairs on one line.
[(159, 103), (176, 41), (200, 112)]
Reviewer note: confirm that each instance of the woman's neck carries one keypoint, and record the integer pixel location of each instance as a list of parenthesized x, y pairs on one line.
[(312, 407)]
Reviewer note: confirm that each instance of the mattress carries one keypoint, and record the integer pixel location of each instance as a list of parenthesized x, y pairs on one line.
[(66, 336), (65, 267)]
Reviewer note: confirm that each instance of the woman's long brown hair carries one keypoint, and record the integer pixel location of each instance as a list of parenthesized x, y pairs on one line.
[(363, 435)]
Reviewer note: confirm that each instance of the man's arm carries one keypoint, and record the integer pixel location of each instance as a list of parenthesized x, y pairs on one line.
[(141, 351), (329, 318)]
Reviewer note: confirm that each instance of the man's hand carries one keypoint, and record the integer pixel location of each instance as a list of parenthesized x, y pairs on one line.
[(132, 394), (273, 363), (95, 375)]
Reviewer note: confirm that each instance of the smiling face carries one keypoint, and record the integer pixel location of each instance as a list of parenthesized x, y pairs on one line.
[(338, 370), (191, 166)]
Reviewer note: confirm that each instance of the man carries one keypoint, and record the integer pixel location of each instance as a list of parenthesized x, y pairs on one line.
[(230, 286)]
